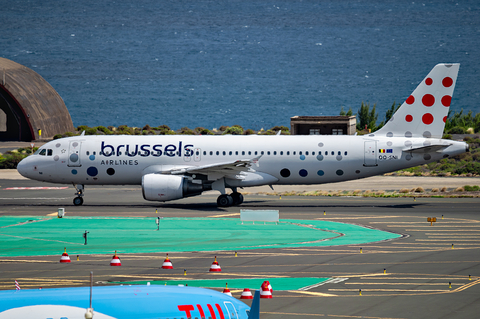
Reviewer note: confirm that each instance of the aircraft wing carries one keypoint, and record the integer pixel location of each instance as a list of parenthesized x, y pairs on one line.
[(225, 168), (426, 149)]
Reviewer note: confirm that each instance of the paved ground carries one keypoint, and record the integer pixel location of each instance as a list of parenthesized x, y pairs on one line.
[(404, 278)]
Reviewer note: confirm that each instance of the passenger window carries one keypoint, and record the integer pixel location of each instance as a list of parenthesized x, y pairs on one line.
[(326, 152), (88, 153), (333, 153), (211, 152), (281, 152), (236, 152), (306, 153), (42, 152), (204, 153), (224, 153), (230, 153), (299, 153), (294, 153), (249, 152), (288, 152), (261, 152), (49, 152), (218, 153), (119, 153), (345, 153), (339, 153), (94, 153), (256, 152), (274, 152), (268, 152), (243, 152), (313, 153)]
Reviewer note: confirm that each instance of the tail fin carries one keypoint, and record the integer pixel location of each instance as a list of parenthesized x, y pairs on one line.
[(425, 111), (255, 308)]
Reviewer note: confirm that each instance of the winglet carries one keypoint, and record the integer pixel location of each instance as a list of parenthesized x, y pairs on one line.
[(255, 308)]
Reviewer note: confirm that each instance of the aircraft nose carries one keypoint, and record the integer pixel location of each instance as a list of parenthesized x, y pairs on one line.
[(22, 167)]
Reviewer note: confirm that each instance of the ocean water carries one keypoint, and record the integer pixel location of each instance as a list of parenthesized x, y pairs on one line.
[(249, 62)]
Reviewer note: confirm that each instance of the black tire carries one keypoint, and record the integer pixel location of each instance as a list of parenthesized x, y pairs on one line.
[(237, 198), (78, 201), (224, 201)]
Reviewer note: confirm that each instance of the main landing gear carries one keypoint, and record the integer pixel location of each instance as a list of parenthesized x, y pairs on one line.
[(77, 201), (233, 199)]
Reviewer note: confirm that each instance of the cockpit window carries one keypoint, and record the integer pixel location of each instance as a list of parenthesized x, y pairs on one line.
[(49, 152), (42, 152)]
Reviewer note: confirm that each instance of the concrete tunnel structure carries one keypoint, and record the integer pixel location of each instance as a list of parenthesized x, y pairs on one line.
[(28, 104)]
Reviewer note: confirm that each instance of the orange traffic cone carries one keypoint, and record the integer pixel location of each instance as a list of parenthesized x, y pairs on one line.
[(265, 291), (65, 258), (227, 291), (167, 264), (215, 266), (246, 294), (115, 260)]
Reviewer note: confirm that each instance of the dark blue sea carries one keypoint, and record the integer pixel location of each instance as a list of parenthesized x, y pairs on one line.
[(247, 62)]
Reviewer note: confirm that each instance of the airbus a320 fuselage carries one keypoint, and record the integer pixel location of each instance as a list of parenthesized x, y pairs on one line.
[(177, 166)]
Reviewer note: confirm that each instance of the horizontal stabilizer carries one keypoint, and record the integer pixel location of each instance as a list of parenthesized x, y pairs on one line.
[(427, 149)]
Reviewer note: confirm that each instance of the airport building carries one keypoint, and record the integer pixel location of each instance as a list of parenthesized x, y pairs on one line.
[(30, 108), (323, 125)]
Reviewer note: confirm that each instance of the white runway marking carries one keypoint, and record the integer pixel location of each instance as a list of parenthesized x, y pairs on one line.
[(329, 281)]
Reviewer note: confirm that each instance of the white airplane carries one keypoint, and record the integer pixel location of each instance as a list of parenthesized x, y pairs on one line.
[(176, 166)]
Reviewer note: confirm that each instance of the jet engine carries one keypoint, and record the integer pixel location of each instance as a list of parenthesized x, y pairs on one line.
[(159, 187)]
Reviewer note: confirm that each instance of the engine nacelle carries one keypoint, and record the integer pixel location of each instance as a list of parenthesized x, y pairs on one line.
[(159, 187)]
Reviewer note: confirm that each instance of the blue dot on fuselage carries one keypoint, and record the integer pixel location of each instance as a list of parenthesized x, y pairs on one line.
[(74, 172), (303, 172), (92, 157), (302, 157), (92, 171), (320, 173)]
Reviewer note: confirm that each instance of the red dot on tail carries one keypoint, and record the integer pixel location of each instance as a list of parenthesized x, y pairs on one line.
[(427, 118), (447, 82), (410, 100), (445, 119), (408, 118), (446, 100), (428, 100), (428, 81)]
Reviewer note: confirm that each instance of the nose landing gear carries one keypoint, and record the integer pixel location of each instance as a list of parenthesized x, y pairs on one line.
[(77, 201)]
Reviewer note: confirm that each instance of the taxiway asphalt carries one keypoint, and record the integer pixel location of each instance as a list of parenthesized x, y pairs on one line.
[(418, 276)]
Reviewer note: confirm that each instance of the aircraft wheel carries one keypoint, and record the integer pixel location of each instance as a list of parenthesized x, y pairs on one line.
[(77, 201), (237, 198), (224, 201)]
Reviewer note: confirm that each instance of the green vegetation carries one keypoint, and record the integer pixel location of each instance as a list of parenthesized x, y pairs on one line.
[(234, 130), (11, 158), (367, 118)]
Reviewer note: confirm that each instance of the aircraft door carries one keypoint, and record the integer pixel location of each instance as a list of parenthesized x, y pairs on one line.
[(74, 154), (197, 155), (370, 158), (231, 310)]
